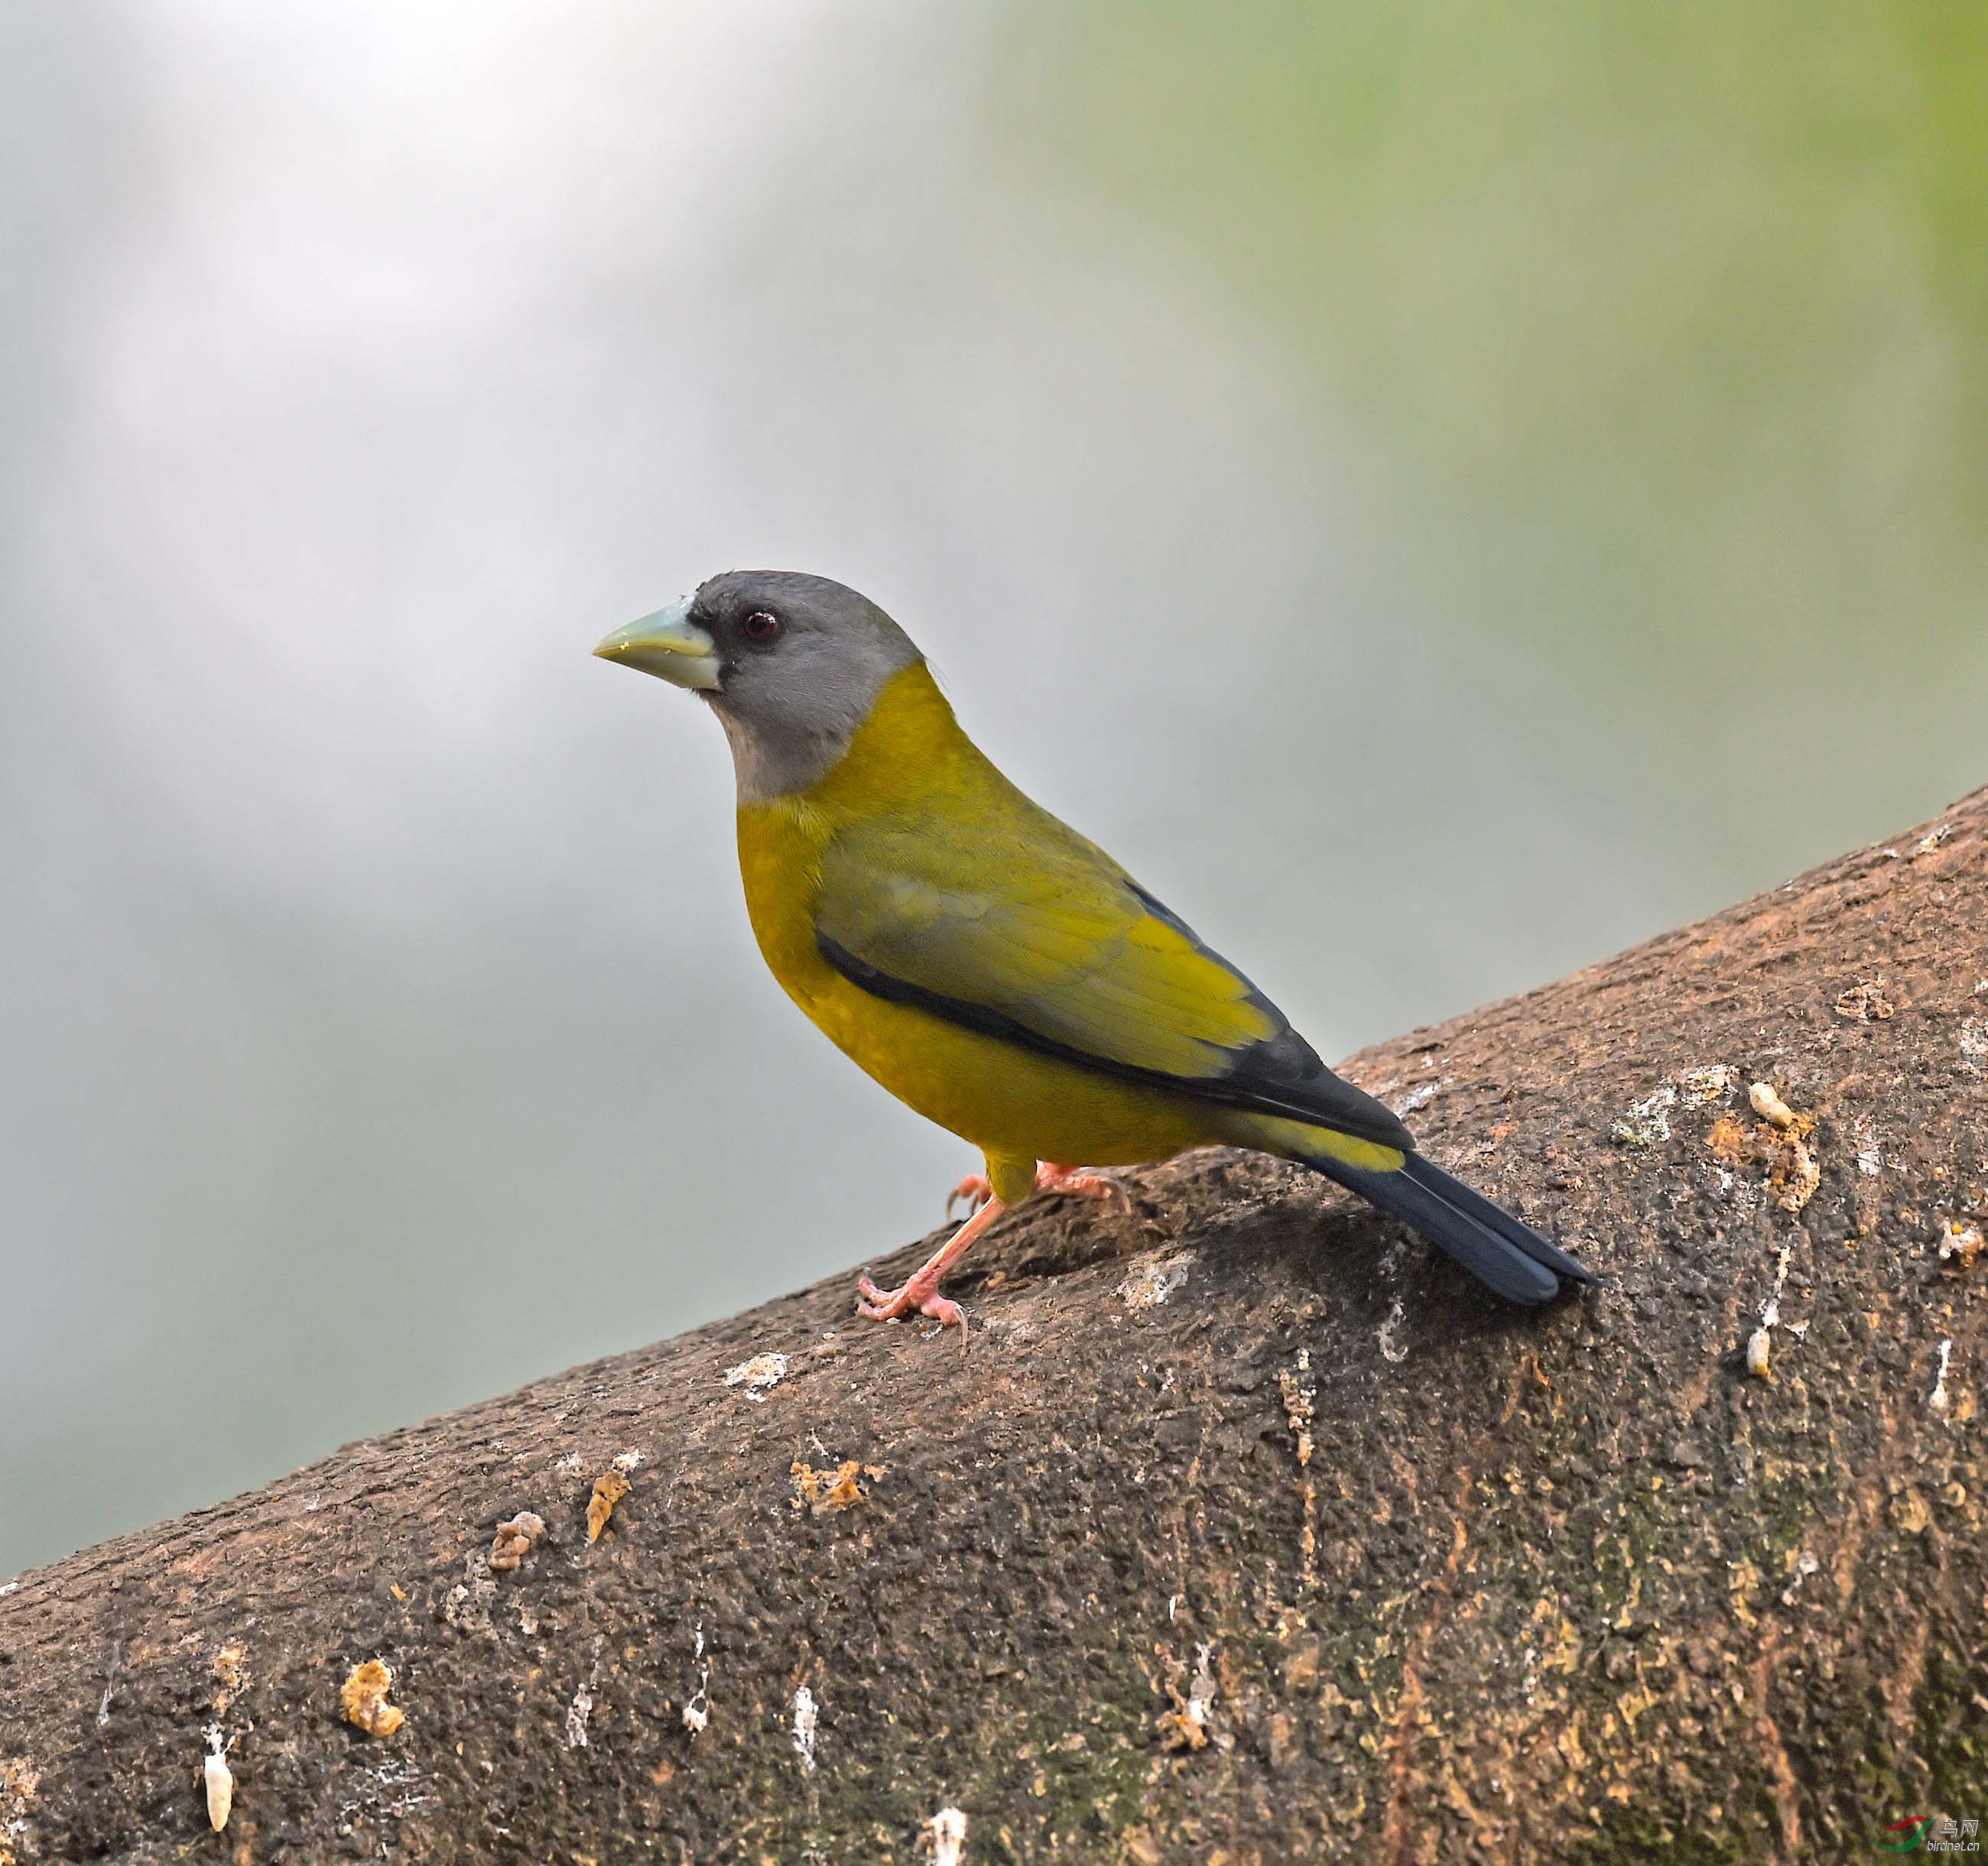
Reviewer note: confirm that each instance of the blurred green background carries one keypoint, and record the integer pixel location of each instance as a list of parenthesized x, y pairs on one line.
[(1442, 493)]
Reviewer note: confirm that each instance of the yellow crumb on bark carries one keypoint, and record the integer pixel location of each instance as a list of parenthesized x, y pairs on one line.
[(363, 1697), (824, 1492), (1795, 1175), (1961, 1243), (1184, 1726), (1779, 1141), (230, 1675), (609, 1488), (1729, 1142), (515, 1540), (1298, 1394)]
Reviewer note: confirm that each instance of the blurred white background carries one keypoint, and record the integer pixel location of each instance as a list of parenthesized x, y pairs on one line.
[(1438, 507)]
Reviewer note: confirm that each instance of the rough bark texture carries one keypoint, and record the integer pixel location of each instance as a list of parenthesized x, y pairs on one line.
[(1244, 1530)]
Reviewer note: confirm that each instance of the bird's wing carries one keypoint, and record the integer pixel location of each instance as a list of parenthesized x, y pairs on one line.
[(1027, 932)]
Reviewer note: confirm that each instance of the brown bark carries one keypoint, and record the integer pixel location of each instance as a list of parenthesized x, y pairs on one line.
[(1246, 1530)]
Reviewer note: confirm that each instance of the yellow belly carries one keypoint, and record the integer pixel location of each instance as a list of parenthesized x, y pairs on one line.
[(1009, 1102)]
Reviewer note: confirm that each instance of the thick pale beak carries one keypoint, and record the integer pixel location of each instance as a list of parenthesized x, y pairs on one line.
[(670, 646)]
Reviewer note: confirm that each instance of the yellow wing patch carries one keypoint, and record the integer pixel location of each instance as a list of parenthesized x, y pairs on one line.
[(1044, 931)]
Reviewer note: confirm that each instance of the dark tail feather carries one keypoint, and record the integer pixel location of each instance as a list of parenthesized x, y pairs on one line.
[(1487, 1240), (1473, 1204)]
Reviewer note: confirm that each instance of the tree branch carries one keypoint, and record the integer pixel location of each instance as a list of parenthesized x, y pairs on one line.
[(1246, 1530)]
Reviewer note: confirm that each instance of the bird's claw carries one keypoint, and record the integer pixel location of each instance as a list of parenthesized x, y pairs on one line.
[(1076, 1183), (919, 1297), (975, 1189)]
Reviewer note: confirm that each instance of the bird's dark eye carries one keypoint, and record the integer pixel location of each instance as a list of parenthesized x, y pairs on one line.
[(762, 626)]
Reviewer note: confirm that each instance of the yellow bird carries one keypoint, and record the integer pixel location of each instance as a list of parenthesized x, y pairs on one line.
[(987, 964)]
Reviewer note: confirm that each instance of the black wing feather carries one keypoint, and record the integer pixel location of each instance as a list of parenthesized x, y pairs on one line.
[(1282, 1075)]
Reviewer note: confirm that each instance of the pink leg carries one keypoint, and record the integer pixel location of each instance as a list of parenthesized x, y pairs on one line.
[(921, 1294), (1050, 1177)]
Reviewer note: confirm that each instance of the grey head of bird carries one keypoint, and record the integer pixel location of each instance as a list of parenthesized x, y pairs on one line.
[(791, 663)]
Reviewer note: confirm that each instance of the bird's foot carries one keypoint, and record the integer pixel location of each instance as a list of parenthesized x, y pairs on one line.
[(1074, 1181), (1050, 1177), (919, 1297)]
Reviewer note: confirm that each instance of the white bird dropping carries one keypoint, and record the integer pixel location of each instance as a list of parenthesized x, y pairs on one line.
[(218, 1780)]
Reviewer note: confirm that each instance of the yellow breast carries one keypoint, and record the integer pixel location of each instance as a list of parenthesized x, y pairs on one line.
[(910, 757)]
